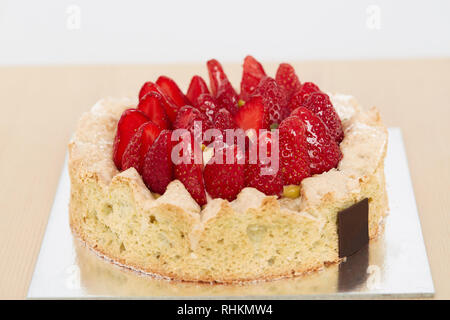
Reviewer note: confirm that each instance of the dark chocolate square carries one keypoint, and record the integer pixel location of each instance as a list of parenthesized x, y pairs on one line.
[(353, 228)]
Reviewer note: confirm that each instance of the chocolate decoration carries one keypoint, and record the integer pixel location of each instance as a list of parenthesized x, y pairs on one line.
[(353, 271), (353, 228)]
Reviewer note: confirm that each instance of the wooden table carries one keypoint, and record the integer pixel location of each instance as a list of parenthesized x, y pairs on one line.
[(41, 105)]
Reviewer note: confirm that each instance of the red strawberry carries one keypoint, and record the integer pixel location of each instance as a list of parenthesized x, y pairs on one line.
[(151, 104), (170, 88), (190, 172), (301, 96), (225, 180), (224, 120), (287, 79), (251, 76), (252, 115), (320, 104), (127, 126), (270, 181), (324, 152), (274, 99), (186, 118), (169, 106), (157, 169), (134, 153), (196, 88), (294, 158), (221, 88), (207, 105)]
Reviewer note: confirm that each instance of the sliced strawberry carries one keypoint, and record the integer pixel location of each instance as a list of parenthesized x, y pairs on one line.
[(225, 180), (264, 175), (127, 126), (302, 95), (287, 79), (190, 172), (274, 99), (169, 106), (207, 105), (221, 88), (152, 105), (196, 88), (294, 158), (251, 76), (252, 115), (138, 146), (188, 117), (324, 152), (157, 169), (320, 104), (171, 89)]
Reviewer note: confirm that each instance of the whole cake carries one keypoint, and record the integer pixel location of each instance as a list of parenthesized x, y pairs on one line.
[(216, 186)]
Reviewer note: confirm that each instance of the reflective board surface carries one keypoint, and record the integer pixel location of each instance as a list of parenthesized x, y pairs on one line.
[(394, 265)]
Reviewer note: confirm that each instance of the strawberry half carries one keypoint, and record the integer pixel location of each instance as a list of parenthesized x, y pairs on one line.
[(157, 169), (324, 152), (186, 118), (252, 115), (221, 88), (251, 76), (127, 126), (274, 98), (270, 181), (138, 146), (152, 105), (171, 89), (169, 106), (294, 158), (225, 180), (302, 95), (196, 88), (190, 172), (287, 79), (320, 104)]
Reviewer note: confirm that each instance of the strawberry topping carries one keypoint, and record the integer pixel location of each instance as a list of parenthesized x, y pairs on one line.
[(251, 76), (127, 126), (171, 90), (152, 105), (196, 88)]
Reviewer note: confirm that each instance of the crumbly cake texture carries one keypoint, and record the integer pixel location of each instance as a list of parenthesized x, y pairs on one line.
[(255, 237)]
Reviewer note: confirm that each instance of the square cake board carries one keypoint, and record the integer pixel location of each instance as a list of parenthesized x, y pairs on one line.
[(394, 265)]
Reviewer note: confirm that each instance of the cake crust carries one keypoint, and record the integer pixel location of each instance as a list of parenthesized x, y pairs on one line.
[(255, 237)]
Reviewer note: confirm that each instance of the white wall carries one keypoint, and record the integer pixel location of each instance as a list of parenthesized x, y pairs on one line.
[(78, 31)]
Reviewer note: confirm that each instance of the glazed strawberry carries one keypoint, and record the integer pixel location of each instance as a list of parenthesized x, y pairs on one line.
[(157, 169), (127, 126), (190, 172), (224, 120), (324, 152), (225, 180), (320, 104), (252, 115), (274, 98), (301, 96), (287, 79), (186, 118), (169, 106), (261, 175), (221, 88), (207, 105), (138, 146), (171, 89), (151, 104), (294, 158), (196, 88), (251, 76)]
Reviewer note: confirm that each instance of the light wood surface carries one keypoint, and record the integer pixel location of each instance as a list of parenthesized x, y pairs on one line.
[(41, 105)]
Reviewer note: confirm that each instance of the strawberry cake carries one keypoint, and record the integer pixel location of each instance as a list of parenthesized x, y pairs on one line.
[(219, 186)]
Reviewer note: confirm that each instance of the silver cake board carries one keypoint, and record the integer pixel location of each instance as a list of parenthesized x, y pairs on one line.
[(395, 265)]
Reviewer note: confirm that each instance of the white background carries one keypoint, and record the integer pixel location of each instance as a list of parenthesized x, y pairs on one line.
[(52, 32)]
